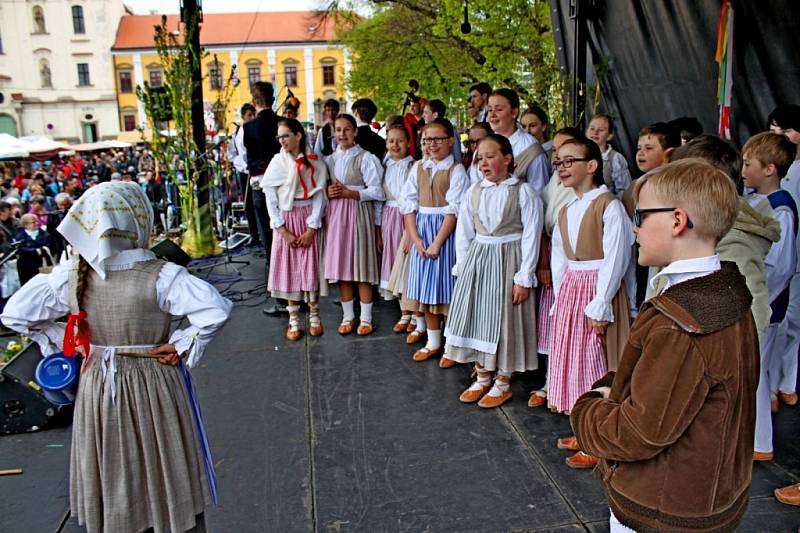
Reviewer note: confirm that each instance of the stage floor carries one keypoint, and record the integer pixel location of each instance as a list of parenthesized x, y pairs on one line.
[(349, 434)]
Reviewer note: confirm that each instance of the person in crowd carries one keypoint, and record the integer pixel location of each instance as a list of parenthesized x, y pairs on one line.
[(479, 101), (591, 249), (615, 167), (34, 248), (766, 159), (238, 156), (294, 185), (39, 210), (325, 143), (364, 111), (476, 133), (433, 194), (687, 127), (534, 121), (554, 197), (531, 163), (686, 384), (492, 320), (136, 432), (351, 256), (434, 109)]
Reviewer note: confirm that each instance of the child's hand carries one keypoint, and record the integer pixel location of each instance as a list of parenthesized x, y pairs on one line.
[(335, 190), (378, 239), (406, 244), (420, 246), (599, 326), (433, 251), (169, 356), (287, 235), (545, 277), (519, 294), (305, 240)]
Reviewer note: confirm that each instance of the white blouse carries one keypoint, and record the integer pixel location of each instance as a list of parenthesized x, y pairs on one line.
[(618, 240), (459, 183), (555, 196), (394, 179), (538, 171), (314, 220), (32, 310), (371, 173), (490, 212)]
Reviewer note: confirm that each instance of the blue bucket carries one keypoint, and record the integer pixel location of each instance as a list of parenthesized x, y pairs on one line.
[(58, 374)]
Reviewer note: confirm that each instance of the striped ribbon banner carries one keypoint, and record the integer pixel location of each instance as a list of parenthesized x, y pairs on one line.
[(724, 57)]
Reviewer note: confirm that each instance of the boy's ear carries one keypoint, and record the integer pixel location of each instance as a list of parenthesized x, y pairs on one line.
[(668, 154), (771, 170), (591, 166)]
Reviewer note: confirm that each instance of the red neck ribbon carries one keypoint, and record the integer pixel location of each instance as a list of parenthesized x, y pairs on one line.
[(299, 163), (73, 338)]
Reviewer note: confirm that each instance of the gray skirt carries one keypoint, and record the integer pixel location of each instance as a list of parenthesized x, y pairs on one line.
[(136, 461), (484, 326)]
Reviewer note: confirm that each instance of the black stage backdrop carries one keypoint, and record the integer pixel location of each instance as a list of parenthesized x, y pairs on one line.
[(655, 61)]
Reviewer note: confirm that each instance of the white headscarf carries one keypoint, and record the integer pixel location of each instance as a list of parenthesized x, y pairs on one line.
[(109, 218)]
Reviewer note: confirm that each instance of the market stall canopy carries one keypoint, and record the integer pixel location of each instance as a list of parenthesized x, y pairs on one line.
[(101, 145), (42, 148), (12, 148)]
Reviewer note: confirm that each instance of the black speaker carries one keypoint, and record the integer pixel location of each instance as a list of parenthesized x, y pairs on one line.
[(169, 251), (23, 407)]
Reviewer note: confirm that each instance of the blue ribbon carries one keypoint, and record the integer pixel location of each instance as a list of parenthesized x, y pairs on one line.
[(208, 461)]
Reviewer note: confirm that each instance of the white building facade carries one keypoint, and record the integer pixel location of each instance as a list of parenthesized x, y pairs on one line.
[(56, 72)]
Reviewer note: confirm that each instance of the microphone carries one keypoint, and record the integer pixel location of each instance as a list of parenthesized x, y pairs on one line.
[(466, 27)]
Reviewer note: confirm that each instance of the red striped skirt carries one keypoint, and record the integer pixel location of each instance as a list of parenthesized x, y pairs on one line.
[(545, 322), (577, 358)]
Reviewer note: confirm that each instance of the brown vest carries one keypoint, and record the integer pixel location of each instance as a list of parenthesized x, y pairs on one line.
[(432, 190)]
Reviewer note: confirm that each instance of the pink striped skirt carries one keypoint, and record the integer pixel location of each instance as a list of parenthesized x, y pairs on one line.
[(341, 221), (577, 358), (392, 234), (293, 270), (545, 322)]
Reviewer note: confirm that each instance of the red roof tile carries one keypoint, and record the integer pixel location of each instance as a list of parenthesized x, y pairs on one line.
[(136, 31)]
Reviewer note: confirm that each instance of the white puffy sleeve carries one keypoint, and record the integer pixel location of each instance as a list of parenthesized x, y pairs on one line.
[(32, 310), (372, 174), (558, 259), (465, 231), (459, 183), (181, 294), (617, 246), (274, 210), (532, 220), (781, 260), (410, 200)]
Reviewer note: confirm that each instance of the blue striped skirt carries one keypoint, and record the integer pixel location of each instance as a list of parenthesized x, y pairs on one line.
[(430, 281)]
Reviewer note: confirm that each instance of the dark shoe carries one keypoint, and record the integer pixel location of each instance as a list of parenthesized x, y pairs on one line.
[(275, 310)]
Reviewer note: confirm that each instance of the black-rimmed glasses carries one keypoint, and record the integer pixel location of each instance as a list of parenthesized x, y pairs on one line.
[(434, 140), (567, 162), (638, 215)]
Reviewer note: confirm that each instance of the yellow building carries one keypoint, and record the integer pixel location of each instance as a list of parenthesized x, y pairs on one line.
[(293, 50)]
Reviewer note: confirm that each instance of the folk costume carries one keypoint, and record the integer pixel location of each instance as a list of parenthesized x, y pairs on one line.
[(591, 250), (140, 458), (390, 219)]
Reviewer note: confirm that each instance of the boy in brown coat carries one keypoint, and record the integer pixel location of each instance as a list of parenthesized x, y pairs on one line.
[(674, 426)]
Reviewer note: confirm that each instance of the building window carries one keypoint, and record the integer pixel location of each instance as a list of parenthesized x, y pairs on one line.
[(290, 73), (128, 122), (45, 75), (156, 79), (78, 26), (328, 75), (125, 82), (215, 78), (38, 20), (253, 74), (83, 74)]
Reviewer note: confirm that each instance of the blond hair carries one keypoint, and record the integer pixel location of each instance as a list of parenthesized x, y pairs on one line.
[(28, 217), (771, 149), (705, 192)]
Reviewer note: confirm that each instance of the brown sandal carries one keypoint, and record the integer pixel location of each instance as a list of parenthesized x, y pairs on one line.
[(365, 328), (347, 327)]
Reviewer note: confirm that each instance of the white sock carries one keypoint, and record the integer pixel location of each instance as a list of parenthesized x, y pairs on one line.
[(500, 385), (347, 311), (405, 319), (422, 326), (366, 312), (434, 339), (483, 379)]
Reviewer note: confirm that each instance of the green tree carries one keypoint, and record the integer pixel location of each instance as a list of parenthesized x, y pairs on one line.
[(510, 45), (178, 154)]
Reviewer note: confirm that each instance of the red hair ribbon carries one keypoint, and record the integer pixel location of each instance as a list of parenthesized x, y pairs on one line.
[(72, 339), (299, 163)]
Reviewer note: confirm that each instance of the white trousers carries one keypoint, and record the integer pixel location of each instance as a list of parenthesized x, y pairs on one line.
[(783, 366), (772, 340)]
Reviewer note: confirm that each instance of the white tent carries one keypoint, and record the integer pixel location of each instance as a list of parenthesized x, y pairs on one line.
[(12, 148)]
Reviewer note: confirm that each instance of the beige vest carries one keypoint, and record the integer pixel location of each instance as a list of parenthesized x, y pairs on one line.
[(433, 189), (353, 176), (511, 221), (524, 160), (123, 310)]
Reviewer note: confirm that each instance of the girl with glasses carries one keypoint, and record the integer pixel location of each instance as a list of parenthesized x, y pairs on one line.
[(432, 195), (591, 249)]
